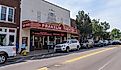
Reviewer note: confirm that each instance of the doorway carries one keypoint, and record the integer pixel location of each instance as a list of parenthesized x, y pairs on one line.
[(38, 43), (2, 39)]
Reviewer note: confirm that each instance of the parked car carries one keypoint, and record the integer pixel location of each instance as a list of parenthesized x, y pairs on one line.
[(110, 42), (70, 44), (105, 42), (101, 43), (84, 44), (6, 52), (116, 42), (87, 44), (96, 43)]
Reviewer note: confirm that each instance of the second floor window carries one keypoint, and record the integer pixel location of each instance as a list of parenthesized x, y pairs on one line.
[(51, 17), (10, 15), (3, 13), (6, 14)]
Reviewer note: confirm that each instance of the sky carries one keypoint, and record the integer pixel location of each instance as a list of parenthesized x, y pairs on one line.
[(105, 10)]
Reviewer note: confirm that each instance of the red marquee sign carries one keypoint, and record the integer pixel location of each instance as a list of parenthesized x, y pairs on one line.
[(47, 26)]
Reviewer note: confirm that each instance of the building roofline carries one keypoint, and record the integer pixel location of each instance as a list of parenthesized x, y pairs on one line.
[(56, 5)]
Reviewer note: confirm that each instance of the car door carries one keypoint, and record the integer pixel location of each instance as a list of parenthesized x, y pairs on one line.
[(74, 44), (71, 44)]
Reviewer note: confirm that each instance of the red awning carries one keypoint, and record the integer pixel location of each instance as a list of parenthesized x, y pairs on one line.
[(47, 26)]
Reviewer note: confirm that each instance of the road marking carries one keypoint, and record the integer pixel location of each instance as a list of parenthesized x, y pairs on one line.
[(57, 65), (43, 68), (84, 56), (101, 68)]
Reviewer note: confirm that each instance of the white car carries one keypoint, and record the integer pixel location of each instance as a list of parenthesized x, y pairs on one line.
[(5, 52), (105, 42), (116, 42), (70, 44), (88, 44)]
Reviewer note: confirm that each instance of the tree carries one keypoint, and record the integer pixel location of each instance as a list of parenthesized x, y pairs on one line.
[(115, 33), (84, 24), (105, 26), (99, 29)]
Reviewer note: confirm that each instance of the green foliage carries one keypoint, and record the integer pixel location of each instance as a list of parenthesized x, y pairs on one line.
[(115, 34), (99, 29), (88, 27), (84, 23)]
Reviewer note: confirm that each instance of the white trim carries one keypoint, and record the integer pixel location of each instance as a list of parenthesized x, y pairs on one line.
[(8, 34), (0, 12), (13, 14), (7, 14)]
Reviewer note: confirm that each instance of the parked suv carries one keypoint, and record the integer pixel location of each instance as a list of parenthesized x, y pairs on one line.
[(5, 52), (70, 44), (105, 42), (87, 44), (99, 43)]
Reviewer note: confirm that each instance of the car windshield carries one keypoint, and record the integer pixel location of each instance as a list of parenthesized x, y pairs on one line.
[(64, 42), (96, 41)]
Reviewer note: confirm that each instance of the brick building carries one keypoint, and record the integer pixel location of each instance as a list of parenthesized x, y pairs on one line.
[(9, 21)]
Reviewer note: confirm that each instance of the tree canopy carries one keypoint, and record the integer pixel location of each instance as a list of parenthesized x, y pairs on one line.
[(90, 27), (84, 24), (115, 34)]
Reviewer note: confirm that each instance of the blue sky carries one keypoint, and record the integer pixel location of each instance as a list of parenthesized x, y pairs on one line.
[(105, 10)]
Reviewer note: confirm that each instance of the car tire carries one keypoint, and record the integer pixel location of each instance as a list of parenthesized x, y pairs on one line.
[(67, 49), (78, 48), (87, 46), (3, 58)]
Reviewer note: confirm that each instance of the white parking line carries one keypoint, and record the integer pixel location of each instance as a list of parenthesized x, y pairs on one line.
[(106, 64)]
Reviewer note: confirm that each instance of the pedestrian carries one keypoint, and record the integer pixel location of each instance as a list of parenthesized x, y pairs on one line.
[(23, 47), (17, 47)]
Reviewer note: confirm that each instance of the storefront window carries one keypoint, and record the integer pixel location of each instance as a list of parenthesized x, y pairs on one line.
[(7, 38), (11, 40), (2, 39), (51, 38), (57, 40)]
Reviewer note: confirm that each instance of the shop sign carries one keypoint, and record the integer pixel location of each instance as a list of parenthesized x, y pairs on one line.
[(43, 34), (63, 28), (48, 34)]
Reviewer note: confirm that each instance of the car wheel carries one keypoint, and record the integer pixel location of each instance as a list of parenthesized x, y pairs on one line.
[(78, 48), (3, 58), (67, 49), (87, 46)]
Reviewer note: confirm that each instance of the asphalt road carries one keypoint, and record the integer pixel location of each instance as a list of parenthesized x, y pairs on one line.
[(105, 58)]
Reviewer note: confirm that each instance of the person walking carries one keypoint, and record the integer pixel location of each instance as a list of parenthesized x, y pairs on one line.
[(23, 47)]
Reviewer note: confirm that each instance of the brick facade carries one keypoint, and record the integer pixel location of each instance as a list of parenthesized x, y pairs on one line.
[(16, 5)]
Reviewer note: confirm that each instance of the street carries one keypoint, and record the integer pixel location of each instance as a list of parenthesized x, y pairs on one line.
[(104, 58)]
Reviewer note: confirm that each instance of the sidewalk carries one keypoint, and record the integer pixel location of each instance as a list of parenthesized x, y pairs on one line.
[(34, 53)]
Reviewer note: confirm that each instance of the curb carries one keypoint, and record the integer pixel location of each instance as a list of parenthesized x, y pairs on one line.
[(28, 56)]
